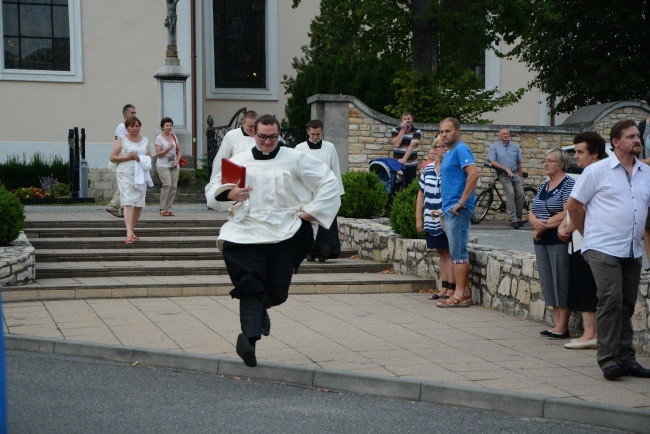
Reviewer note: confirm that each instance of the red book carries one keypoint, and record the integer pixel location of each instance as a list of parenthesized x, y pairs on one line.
[(232, 173)]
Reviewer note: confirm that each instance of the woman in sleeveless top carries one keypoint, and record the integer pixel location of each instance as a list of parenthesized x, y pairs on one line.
[(169, 154), (126, 152)]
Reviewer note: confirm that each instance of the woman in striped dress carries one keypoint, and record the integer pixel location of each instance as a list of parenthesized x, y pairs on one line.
[(428, 219)]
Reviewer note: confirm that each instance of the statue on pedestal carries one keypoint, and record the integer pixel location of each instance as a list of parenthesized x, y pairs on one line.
[(170, 23)]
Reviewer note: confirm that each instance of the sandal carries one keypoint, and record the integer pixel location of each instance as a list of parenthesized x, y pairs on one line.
[(162, 211), (128, 241), (166, 213), (455, 302), (170, 214), (135, 237)]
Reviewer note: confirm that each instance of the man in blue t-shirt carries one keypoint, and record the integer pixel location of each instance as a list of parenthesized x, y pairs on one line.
[(459, 176)]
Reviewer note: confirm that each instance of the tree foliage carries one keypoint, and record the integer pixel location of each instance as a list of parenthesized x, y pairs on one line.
[(367, 48), (454, 92), (582, 51)]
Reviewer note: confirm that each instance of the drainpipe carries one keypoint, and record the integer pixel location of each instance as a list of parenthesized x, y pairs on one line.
[(193, 75)]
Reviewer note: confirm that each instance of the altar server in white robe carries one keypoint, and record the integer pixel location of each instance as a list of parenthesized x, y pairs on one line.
[(271, 228), (327, 244), (234, 142)]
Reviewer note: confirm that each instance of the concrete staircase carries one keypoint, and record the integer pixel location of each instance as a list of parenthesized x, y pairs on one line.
[(78, 259)]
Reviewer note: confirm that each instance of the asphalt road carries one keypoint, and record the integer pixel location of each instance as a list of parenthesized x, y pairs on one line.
[(58, 394)]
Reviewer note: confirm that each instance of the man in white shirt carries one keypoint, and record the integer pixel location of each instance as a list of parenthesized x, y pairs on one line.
[(287, 194), (327, 244), (234, 142), (113, 207), (609, 205)]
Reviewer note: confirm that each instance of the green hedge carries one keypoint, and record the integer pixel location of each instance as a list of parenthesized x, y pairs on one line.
[(402, 213), (16, 172), (13, 216), (365, 195)]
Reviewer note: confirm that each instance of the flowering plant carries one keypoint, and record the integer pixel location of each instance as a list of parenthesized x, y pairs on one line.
[(31, 193), (48, 183)]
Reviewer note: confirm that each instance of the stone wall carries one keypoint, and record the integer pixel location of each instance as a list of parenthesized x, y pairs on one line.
[(504, 280), (102, 183), (17, 262)]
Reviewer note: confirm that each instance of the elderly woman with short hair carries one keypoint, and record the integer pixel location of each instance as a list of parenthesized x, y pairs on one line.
[(546, 215)]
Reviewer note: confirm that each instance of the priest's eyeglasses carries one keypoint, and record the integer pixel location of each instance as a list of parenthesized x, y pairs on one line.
[(264, 138)]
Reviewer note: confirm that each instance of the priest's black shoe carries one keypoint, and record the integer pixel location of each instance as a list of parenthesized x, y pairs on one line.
[(246, 351), (637, 370), (612, 372), (266, 323), (324, 254)]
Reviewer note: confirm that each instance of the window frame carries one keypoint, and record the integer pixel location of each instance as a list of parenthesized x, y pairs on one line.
[(74, 75), (270, 93)]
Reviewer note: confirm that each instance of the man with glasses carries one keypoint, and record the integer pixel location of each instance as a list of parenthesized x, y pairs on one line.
[(286, 195), (609, 206), (235, 141), (327, 244), (505, 156)]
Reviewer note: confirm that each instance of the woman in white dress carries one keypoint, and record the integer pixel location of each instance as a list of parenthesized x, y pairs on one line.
[(126, 152)]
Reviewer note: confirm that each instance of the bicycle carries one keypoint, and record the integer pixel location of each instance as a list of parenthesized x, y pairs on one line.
[(485, 199)]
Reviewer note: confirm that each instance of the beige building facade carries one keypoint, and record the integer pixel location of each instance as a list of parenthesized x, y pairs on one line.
[(116, 47)]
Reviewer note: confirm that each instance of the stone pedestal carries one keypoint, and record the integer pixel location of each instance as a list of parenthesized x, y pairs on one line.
[(173, 91)]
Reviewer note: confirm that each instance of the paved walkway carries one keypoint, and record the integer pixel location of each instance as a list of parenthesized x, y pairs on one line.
[(398, 335), (391, 334)]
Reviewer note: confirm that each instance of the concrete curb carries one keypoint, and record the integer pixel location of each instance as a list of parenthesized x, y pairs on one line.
[(520, 404)]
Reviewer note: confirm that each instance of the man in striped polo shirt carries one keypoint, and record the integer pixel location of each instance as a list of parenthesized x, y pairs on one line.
[(405, 138)]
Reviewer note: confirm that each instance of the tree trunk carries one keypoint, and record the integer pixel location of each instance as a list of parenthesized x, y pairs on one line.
[(425, 44)]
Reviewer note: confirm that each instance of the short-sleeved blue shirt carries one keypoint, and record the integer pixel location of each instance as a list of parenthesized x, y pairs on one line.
[(454, 177), (506, 155)]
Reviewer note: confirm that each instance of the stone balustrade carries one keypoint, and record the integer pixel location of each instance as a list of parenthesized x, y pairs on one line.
[(17, 262), (504, 280)]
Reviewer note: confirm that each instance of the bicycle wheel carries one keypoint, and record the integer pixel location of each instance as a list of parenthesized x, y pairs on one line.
[(482, 206), (529, 197)]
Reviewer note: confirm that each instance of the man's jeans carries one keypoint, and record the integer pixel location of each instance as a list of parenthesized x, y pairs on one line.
[(457, 230), (514, 189), (617, 280)]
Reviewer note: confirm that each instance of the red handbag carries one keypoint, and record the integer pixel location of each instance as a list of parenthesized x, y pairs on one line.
[(182, 162)]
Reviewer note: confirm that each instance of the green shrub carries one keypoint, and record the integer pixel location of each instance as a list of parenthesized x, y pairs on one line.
[(364, 196), (402, 214), (13, 216), (61, 190), (16, 172)]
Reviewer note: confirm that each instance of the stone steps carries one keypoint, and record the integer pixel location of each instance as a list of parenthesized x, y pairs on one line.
[(85, 257), (53, 270), (119, 232), (208, 285)]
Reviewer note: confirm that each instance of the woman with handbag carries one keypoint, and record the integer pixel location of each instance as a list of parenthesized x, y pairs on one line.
[(169, 155), (546, 215)]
